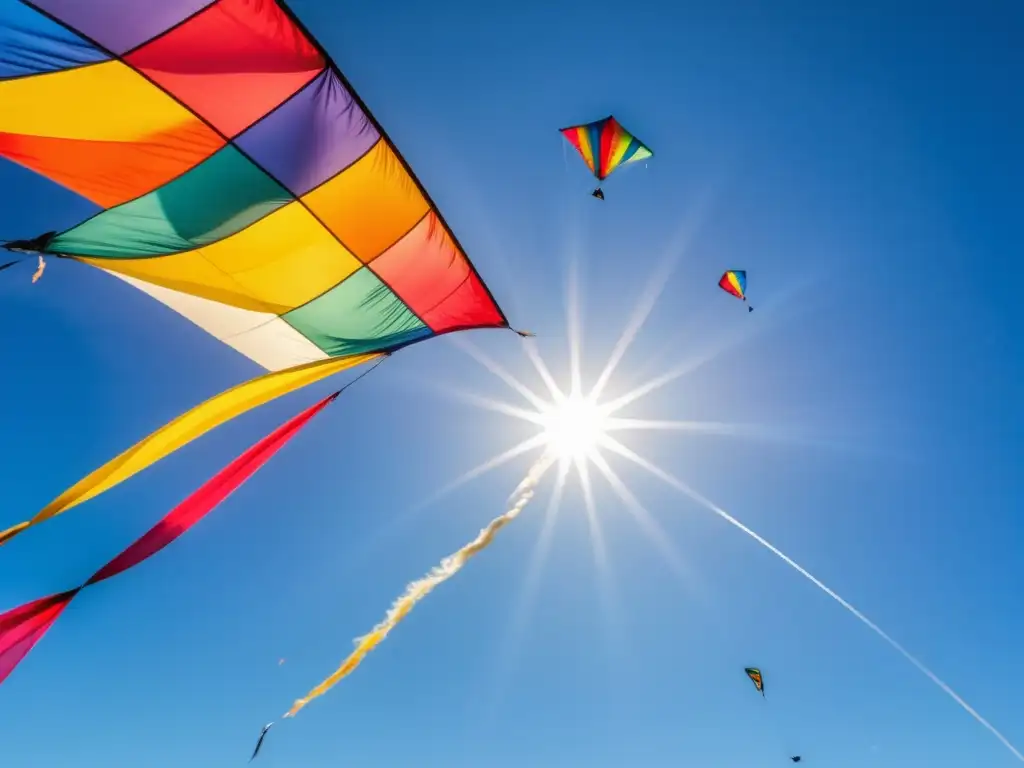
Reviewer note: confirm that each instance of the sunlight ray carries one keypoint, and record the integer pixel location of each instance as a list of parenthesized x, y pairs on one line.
[(593, 522), (778, 308), (648, 524), (495, 405), (371, 545), (684, 488), (483, 468), (677, 247), (542, 370), (713, 427), (520, 614), (575, 332), (784, 436), (606, 589), (538, 559), (645, 305), (474, 352), (678, 371), (452, 391)]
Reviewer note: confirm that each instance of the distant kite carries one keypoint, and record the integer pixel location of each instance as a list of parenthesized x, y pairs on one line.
[(734, 282), (755, 677), (604, 146)]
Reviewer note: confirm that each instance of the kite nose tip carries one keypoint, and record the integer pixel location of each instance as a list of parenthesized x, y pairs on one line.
[(35, 245)]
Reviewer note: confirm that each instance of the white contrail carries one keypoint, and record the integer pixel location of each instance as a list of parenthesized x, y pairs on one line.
[(679, 485)]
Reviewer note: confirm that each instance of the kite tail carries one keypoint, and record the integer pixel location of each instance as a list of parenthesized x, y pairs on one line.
[(190, 426), (419, 589), (23, 627), (39, 269), (13, 531)]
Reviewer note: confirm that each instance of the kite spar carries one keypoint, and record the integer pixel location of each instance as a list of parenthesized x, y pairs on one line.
[(241, 182)]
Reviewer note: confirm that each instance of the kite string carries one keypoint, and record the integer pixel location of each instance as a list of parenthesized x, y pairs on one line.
[(367, 372), (420, 588)]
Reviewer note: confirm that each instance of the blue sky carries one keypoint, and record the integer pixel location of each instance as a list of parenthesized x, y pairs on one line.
[(867, 163)]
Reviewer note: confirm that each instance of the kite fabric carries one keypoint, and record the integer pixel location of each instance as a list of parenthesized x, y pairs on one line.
[(22, 627), (243, 183), (186, 428), (755, 677), (605, 145), (734, 282), (419, 589)]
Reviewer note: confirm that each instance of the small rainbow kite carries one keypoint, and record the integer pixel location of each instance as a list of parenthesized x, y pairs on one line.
[(734, 282)]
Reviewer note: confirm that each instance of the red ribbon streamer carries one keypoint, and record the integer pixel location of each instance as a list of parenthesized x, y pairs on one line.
[(22, 627)]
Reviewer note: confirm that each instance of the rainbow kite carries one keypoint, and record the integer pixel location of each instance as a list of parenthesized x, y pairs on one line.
[(242, 183), (734, 282), (604, 146)]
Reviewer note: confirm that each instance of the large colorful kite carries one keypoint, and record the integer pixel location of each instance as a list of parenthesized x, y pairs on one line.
[(242, 183)]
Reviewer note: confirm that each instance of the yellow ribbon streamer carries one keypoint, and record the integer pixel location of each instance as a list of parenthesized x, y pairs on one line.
[(417, 590), (186, 428)]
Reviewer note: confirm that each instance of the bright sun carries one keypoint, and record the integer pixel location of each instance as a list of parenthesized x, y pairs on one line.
[(574, 427)]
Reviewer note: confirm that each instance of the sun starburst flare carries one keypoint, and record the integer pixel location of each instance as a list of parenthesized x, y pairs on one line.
[(575, 428)]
